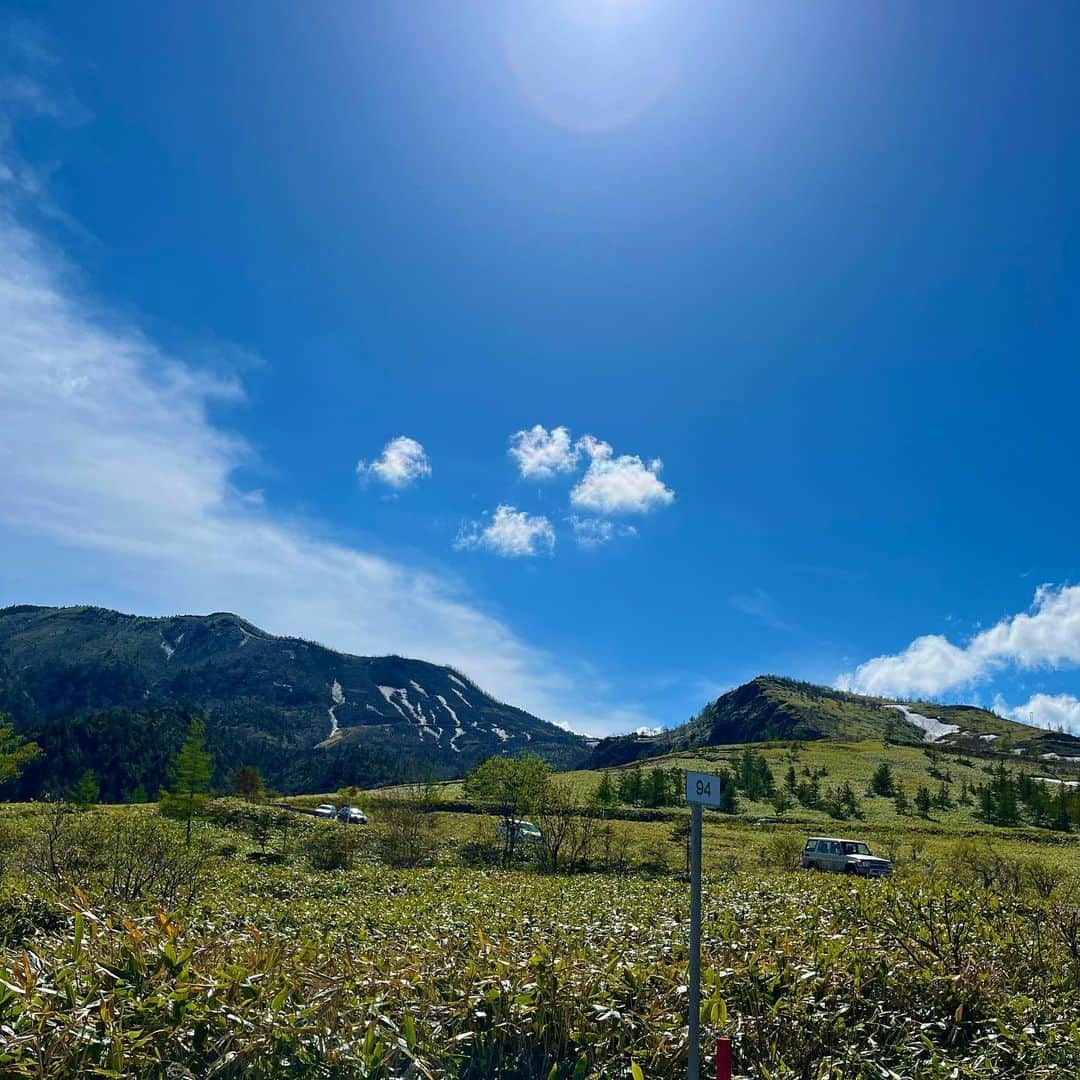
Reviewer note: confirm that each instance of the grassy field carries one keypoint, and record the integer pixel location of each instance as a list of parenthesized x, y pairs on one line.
[(257, 964), (907, 837)]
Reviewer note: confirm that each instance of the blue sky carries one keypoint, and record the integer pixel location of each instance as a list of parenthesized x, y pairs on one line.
[(776, 305)]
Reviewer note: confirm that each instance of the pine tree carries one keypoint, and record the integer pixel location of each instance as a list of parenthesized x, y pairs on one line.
[(781, 801), (191, 774), (997, 801), (656, 787), (86, 791), (729, 801), (882, 781), (1060, 817), (630, 785), (606, 796), (1007, 811), (923, 801)]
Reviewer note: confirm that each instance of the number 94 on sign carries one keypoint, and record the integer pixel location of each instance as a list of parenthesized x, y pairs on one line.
[(703, 788)]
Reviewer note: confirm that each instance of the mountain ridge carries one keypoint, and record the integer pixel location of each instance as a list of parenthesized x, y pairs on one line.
[(308, 716), (771, 708)]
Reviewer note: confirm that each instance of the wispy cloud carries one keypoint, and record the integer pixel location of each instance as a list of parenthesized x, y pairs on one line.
[(402, 462), (595, 532), (1045, 636), (116, 487), (509, 532), (761, 606)]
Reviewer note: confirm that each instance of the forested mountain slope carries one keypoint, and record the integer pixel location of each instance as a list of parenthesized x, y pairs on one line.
[(113, 692)]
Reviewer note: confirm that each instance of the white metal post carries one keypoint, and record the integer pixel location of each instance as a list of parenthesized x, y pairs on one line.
[(694, 1067)]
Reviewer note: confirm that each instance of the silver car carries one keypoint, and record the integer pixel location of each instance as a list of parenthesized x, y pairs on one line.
[(525, 832), (843, 857), (327, 810), (352, 815)]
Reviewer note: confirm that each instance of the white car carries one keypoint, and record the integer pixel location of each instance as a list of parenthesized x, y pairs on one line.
[(352, 815), (525, 832), (326, 810), (844, 857)]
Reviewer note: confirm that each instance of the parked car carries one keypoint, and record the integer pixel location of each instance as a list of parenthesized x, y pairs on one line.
[(352, 815), (326, 810), (525, 832), (843, 857)]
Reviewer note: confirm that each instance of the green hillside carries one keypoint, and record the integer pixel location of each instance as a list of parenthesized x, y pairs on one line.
[(771, 708)]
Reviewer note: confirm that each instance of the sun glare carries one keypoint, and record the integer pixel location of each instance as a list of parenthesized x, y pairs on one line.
[(592, 67)]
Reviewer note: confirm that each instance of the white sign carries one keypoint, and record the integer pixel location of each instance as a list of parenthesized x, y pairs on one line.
[(703, 789)]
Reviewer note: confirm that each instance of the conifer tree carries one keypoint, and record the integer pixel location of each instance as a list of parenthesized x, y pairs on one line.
[(606, 796), (882, 781), (86, 791), (191, 774), (630, 786)]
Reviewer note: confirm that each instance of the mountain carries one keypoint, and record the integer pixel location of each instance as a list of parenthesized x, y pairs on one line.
[(113, 692), (769, 709)]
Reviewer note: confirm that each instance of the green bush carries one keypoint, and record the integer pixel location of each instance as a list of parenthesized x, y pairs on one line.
[(126, 857), (24, 916), (782, 851), (333, 847)]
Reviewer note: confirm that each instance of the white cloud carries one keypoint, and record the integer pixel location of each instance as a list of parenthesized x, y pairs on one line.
[(117, 488), (511, 533), (1052, 711), (595, 532), (625, 484), (402, 462), (542, 454), (1046, 636), (619, 485)]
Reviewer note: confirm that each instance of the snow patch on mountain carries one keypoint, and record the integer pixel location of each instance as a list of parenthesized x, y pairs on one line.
[(388, 692), (458, 729), (399, 698), (933, 729), (337, 698)]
